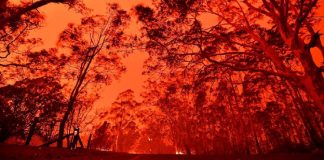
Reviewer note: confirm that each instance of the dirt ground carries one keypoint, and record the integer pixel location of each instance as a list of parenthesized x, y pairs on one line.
[(14, 152)]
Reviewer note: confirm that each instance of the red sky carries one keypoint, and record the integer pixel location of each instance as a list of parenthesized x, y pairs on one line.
[(58, 16)]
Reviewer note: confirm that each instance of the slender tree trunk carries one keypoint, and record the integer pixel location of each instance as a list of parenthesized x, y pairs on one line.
[(89, 142), (74, 94), (31, 131)]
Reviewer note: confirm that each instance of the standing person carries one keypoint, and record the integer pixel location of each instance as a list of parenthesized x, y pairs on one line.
[(76, 138)]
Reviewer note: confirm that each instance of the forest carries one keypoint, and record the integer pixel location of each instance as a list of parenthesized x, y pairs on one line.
[(222, 77)]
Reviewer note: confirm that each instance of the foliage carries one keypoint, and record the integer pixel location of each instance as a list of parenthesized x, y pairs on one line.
[(21, 102), (245, 81)]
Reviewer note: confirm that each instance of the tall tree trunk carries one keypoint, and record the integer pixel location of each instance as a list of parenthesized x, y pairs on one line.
[(74, 94), (89, 142)]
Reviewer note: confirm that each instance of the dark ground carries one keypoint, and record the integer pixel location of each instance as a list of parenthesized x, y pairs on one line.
[(14, 152)]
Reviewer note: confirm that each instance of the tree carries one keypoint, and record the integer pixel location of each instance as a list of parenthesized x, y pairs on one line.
[(87, 44), (123, 119), (268, 38), (22, 101), (103, 138), (248, 57), (11, 15), (16, 22)]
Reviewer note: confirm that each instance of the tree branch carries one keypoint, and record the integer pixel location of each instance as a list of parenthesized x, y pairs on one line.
[(253, 69), (15, 17)]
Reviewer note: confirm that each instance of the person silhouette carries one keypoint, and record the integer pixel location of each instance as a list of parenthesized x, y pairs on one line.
[(76, 139)]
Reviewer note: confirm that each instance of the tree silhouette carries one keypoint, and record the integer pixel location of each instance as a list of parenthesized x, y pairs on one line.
[(16, 22), (21, 102), (103, 139), (250, 58), (122, 115), (268, 38), (87, 45), (11, 15)]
